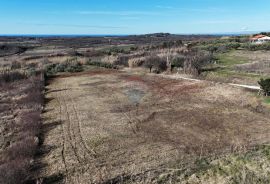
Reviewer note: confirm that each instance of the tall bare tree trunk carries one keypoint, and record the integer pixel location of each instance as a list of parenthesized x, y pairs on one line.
[(169, 63)]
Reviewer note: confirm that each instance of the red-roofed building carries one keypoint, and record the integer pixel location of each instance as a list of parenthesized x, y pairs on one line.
[(260, 39)]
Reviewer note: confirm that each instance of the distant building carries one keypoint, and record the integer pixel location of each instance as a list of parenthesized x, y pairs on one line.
[(260, 39)]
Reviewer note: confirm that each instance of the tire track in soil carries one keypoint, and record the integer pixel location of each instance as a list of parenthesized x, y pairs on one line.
[(82, 152), (63, 141), (68, 129), (78, 121)]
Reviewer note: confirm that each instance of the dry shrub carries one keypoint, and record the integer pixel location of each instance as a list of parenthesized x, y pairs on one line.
[(15, 171), (16, 160), (24, 149), (15, 65), (11, 76), (30, 123), (256, 67), (33, 58), (122, 60), (93, 53), (196, 61), (157, 63), (136, 62)]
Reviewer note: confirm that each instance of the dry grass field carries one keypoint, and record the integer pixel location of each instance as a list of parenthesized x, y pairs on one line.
[(107, 120), (106, 126)]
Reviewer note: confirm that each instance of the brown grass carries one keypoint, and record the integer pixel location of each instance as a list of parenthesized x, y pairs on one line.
[(173, 121)]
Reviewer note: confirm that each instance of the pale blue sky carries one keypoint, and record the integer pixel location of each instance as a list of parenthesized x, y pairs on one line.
[(133, 17)]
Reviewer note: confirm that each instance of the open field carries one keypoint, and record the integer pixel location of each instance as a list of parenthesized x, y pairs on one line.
[(104, 126), (241, 66), (137, 109)]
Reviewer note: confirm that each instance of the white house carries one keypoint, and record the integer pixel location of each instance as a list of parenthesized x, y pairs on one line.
[(260, 39)]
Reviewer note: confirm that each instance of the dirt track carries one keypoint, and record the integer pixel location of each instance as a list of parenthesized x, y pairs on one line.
[(107, 127)]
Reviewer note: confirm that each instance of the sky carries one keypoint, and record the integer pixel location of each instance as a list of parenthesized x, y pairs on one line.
[(133, 16)]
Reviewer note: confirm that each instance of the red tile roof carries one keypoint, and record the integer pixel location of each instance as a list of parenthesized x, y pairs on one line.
[(257, 37)]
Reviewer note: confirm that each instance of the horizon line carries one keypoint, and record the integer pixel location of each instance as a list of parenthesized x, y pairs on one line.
[(112, 35)]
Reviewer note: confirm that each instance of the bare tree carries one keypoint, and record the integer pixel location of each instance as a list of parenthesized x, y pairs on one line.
[(195, 62), (155, 62)]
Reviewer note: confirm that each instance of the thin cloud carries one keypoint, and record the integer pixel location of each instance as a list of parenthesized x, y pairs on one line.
[(245, 28), (117, 13), (198, 10), (130, 18), (215, 22), (78, 26), (165, 7)]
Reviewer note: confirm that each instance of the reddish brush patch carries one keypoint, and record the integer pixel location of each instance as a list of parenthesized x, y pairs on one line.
[(163, 86), (132, 78), (170, 87), (88, 73)]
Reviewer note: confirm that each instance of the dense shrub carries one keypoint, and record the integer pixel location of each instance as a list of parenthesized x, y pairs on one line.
[(122, 61), (101, 64), (17, 160), (196, 61), (178, 62), (115, 51), (68, 66), (74, 67), (25, 148), (93, 53), (74, 53), (15, 65), (170, 44), (254, 47), (265, 86), (155, 62), (11, 76), (15, 171), (30, 123), (134, 48), (221, 47)]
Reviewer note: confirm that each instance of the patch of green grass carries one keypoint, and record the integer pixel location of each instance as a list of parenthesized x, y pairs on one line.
[(228, 60), (267, 100), (227, 75), (234, 74), (225, 69)]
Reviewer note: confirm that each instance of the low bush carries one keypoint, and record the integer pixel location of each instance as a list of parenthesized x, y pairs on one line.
[(178, 62), (93, 53), (15, 65), (68, 66), (155, 62), (222, 47), (101, 64), (30, 123), (115, 51), (17, 160), (25, 148), (11, 76), (255, 47), (122, 61), (15, 171), (196, 61), (265, 86)]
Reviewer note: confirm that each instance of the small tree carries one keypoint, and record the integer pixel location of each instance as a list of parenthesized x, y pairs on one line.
[(265, 86), (155, 62), (148, 64), (178, 62), (195, 62)]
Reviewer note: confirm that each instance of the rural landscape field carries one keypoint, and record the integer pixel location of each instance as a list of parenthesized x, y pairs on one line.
[(134, 92), (174, 110)]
